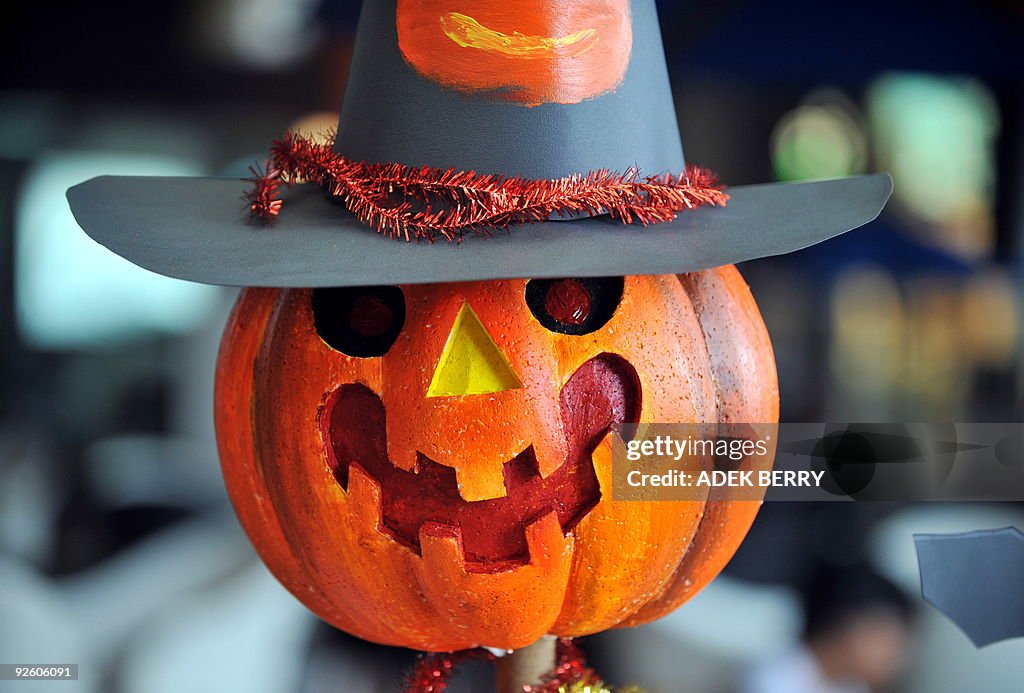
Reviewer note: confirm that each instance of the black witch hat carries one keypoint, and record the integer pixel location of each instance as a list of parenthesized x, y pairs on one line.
[(474, 117)]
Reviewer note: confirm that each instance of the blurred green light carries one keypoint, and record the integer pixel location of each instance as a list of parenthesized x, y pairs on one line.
[(817, 141), (936, 135)]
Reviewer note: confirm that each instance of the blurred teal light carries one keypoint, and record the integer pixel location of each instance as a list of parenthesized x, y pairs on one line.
[(70, 292), (936, 134)]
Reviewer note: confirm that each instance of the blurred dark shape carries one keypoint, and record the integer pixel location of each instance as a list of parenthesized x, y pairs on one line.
[(154, 50), (974, 579), (339, 17), (858, 627), (849, 42), (339, 662), (838, 595), (883, 244), (857, 636), (789, 541), (90, 534), (882, 461)]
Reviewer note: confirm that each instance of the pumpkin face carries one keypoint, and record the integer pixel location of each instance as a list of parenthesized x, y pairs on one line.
[(528, 51), (429, 466)]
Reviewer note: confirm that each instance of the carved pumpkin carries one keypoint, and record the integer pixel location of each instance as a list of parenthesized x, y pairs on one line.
[(428, 466)]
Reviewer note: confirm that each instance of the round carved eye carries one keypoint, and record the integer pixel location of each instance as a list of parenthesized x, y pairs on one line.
[(568, 301), (370, 316), (359, 321), (574, 306)]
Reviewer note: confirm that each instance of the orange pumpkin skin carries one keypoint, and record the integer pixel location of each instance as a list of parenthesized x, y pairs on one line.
[(700, 353)]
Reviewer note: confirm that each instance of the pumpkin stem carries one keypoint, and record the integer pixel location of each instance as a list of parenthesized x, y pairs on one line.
[(526, 666)]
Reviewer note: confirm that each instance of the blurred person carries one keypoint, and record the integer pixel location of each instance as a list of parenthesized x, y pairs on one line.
[(857, 637)]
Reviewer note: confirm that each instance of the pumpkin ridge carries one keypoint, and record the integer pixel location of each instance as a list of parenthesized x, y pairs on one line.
[(701, 524), (725, 522), (254, 307)]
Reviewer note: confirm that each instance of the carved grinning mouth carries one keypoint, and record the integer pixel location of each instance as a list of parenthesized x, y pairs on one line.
[(602, 392)]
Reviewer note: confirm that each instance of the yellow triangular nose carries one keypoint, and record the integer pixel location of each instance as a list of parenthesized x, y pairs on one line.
[(471, 364)]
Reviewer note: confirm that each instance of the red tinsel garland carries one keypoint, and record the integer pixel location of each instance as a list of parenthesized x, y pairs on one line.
[(571, 668), (407, 202), (432, 672)]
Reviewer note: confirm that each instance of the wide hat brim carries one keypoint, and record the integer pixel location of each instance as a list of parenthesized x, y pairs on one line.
[(198, 229)]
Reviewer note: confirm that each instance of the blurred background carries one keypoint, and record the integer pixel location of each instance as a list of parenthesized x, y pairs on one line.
[(118, 549)]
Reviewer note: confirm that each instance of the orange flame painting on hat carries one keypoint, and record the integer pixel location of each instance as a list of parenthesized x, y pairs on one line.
[(529, 52)]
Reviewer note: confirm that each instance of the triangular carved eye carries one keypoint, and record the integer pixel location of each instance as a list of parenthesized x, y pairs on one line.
[(359, 321), (574, 306)]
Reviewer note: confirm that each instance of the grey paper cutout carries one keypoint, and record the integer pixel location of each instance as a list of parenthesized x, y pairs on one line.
[(197, 229), (392, 114), (977, 580)]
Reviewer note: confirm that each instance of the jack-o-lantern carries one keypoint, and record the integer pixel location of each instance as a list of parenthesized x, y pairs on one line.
[(429, 465), (416, 441)]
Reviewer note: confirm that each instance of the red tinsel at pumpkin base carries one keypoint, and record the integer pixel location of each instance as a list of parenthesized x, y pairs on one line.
[(433, 672), (424, 203)]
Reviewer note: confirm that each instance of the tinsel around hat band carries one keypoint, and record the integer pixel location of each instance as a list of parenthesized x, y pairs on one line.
[(424, 203)]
